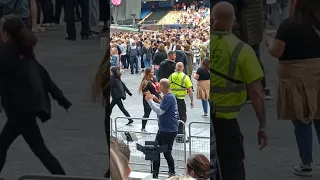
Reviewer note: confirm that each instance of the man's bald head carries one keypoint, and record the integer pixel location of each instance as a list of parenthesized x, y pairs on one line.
[(179, 66), (222, 16), (165, 84)]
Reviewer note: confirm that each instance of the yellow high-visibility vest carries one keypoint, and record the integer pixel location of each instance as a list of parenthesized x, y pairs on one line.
[(227, 95), (178, 84)]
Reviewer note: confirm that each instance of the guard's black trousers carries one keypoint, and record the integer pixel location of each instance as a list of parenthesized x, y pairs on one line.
[(27, 127), (182, 110), (229, 143)]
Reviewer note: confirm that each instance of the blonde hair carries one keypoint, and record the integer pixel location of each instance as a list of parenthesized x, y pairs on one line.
[(147, 44), (114, 51)]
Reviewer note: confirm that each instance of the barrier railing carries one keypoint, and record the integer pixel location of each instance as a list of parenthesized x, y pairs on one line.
[(56, 177), (179, 150), (111, 127), (199, 144)]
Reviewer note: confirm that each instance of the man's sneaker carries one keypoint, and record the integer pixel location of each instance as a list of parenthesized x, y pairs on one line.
[(143, 130), (205, 115), (303, 170)]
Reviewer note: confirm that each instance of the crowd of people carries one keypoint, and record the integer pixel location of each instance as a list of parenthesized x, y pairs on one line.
[(43, 15), (193, 16)]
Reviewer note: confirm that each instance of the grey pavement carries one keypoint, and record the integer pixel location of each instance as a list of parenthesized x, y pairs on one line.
[(76, 138), (277, 160), (134, 106)]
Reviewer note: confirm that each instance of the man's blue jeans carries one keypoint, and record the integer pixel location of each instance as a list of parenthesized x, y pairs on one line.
[(146, 62), (304, 137), (134, 64)]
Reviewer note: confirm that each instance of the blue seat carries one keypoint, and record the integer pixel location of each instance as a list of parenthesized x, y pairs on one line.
[(144, 13)]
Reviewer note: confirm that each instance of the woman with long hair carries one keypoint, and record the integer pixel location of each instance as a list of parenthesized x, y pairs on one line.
[(25, 86), (296, 46), (148, 83), (101, 93), (203, 88), (118, 92), (198, 167), (147, 52)]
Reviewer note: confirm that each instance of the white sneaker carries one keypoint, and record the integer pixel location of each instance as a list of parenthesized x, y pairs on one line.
[(303, 170), (205, 115)]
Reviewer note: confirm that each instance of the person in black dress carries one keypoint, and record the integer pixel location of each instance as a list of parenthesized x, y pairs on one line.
[(148, 83), (25, 86)]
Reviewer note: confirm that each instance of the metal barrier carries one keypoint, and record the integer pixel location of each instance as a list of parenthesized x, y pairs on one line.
[(203, 142), (179, 150), (111, 127), (56, 177)]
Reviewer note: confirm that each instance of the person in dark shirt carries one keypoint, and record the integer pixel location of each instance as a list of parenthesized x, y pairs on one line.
[(148, 83), (167, 67), (167, 112), (25, 86), (159, 56), (118, 92)]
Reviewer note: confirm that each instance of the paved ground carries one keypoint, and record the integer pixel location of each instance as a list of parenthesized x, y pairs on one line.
[(277, 160), (76, 138), (135, 108)]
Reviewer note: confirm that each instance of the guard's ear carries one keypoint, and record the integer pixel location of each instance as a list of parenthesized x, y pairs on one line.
[(128, 171)]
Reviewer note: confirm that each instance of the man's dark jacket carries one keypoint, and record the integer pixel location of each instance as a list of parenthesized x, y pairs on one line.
[(25, 85), (160, 56), (166, 68), (118, 89)]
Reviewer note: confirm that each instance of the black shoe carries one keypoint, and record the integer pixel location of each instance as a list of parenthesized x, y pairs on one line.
[(84, 37), (155, 176), (71, 38), (130, 122)]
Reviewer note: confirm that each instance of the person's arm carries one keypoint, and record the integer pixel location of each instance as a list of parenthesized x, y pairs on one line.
[(126, 89), (276, 46), (155, 107), (252, 75), (188, 85)]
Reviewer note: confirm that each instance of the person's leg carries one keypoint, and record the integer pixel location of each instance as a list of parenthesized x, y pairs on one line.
[(112, 104), (205, 106), (34, 15), (123, 110), (303, 133), (147, 111), (70, 21), (182, 110), (32, 135), (123, 60), (229, 143), (8, 134), (316, 124), (136, 61), (85, 19), (168, 138), (94, 16), (132, 64), (58, 10), (156, 164), (138, 64), (39, 11), (50, 12)]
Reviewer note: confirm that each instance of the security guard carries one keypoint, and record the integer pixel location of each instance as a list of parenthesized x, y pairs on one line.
[(181, 85), (234, 65)]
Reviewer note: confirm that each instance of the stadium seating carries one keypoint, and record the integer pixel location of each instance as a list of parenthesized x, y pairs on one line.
[(171, 18), (144, 13)]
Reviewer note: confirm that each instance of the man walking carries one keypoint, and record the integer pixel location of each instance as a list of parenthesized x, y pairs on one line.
[(167, 112), (181, 85)]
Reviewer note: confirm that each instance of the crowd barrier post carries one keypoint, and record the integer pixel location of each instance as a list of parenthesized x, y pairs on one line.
[(137, 158), (199, 137), (56, 177)]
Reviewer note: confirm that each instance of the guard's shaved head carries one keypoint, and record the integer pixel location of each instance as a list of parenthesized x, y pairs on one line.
[(179, 66), (223, 16)]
